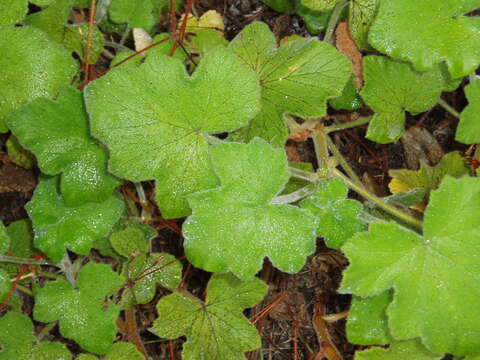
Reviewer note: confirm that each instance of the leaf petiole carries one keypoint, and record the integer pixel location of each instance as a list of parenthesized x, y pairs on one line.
[(448, 108)]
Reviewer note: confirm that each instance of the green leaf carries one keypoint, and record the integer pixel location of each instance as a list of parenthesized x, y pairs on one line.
[(57, 132), (17, 341), (43, 3), (135, 237), (4, 239), (163, 48), (12, 11), (468, 130), (145, 272), (298, 78), (32, 66), (124, 351), (76, 40), (350, 98), (315, 21), (320, 5), (441, 33), (52, 19), (59, 226), (81, 312), (283, 6), (239, 218), (411, 349), (367, 322), (391, 88), (360, 17), (215, 329), (18, 155), (20, 240), (338, 217), (434, 276), (5, 284), (160, 131), (139, 13)]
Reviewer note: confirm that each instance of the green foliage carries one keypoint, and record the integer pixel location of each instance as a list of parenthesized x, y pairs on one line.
[(81, 311), (410, 349), (440, 31), (320, 5), (215, 329), (315, 21), (52, 19), (426, 292), (360, 17), (123, 351), (12, 11), (337, 216), (139, 14), (19, 237), (32, 66), (283, 6), (161, 131), (350, 98), (18, 155), (232, 219), (135, 237), (468, 130), (4, 239), (57, 132), (297, 78), (59, 226), (5, 284), (76, 40), (17, 341), (391, 88)]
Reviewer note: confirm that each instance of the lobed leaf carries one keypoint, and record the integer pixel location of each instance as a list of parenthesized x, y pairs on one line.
[(410, 349), (320, 5), (139, 13), (12, 11), (52, 19), (135, 237), (468, 130), (360, 17)]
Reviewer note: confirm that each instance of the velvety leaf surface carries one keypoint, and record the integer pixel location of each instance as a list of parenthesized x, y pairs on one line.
[(44, 66), (337, 216), (123, 351), (238, 218), (81, 311), (367, 322), (217, 328), (58, 226), (360, 17), (435, 276), (320, 5), (52, 19), (429, 32), (134, 238), (391, 88), (297, 78), (5, 284), (4, 239), (139, 13), (155, 119), (12, 11), (57, 132), (468, 130), (17, 341), (402, 350)]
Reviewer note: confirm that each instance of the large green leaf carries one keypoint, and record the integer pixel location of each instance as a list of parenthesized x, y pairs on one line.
[(58, 226), (19, 237), (391, 88), (57, 132), (118, 351), (12, 11), (17, 341), (4, 239), (429, 32), (155, 119), (468, 130), (32, 66), (52, 19), (82, 313), (239, 218), (403, 350), (320, 5), (338, 217), (138, 13), (215, 329), (435, 277), (297, 78), (360, 17)]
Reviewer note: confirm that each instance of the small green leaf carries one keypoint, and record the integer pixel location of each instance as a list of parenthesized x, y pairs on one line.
[(411, 349), (429, 32), (4, 239), (146, 271), (57, 132), (360, 17), (320, 5), (19, 155), (32, 66), (391, 88), (124, 351), (76, 40), (52, 19), (135, 237), (468, 130), (17, 341), (283, 6), (163, 48), (367, 322), (58, 226), (239, 218), (81, 312), (157, 127), (138, 13), (12, 11), (217, 328), (20, 239), (315, 21), (350, 98), (434, 276), (298, 78), (5, 284), (338, 217)]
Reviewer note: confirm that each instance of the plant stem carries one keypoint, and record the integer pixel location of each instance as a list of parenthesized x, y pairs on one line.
[(46, 329), (24, 289), (348, 125), (212, 140), (448, 108), (51, 275), (321, 148), (332, 24), (369, 196), (302, 174), (125, 34), (118, 46), (295, 196), (18, 260), (343, 163)]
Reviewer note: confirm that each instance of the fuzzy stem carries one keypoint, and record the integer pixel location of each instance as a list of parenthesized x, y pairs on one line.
[(18, 260), (332, 24), (343, 163), (302, 174), (24, 289), (295, 196), (348, 125), (448, 108), (321, 148)]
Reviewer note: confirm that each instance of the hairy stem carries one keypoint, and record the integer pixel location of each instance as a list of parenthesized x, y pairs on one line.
[(302, 174), (321, 148), (448, 108), (343, 163), (348, 125), (295, 196)]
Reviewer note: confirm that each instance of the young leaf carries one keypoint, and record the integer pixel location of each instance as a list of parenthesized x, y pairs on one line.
[(468, 130), (81, 312), (32, 66), (367, 322), (410, 349), (52, 19), (429, 32), (297, 78), (124, 351), (320, 5), (338, 216), (349, 99), (59, 226), (215, 329), (19, 155), (12, 11), (57, 132), (135, 237), (17, 341), (157, 127), (76, 39), (360, 17), (391, 88), (429, 296), (206, 32), (238, 217), (139, 13)]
